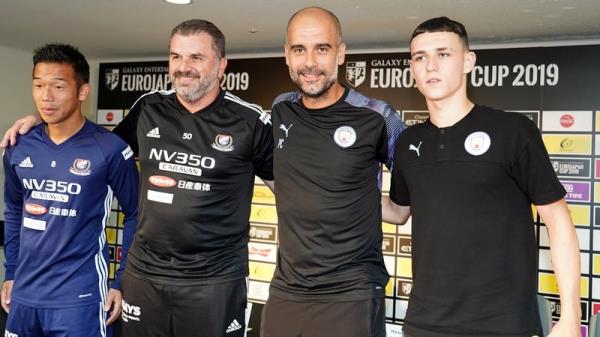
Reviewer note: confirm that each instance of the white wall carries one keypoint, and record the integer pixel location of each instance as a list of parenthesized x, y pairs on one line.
[(15, 93)]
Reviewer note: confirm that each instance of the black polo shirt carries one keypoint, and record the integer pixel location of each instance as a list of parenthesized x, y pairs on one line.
[(327, 167), (470, 188)]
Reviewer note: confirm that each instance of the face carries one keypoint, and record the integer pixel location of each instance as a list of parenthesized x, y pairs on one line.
[(313, 52), (194, 67), (439, 64), (56, 93)]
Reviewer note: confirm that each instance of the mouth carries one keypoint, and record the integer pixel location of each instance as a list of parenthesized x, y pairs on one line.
[(433, 81), (312, 75), (47, 110)]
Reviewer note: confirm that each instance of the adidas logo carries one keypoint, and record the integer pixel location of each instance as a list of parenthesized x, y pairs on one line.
[(154, 133), (234, 326), (26, 163)]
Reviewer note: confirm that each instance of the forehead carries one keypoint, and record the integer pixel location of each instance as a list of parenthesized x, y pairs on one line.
[(436, 40), (200, 43), (314, 29), (54, 70)]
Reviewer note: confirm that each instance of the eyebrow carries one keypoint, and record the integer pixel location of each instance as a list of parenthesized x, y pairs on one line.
[(54, 78), (318, 45), (421, 52)]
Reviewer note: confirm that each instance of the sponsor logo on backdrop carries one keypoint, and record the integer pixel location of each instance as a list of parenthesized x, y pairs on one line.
[(388, 244), (391, 73), (404, 245), (571, 121), (571, 167), (263, 233), (566, 121), (356, 72), (555, 308), (534, 116), (577, 190), (111, 78), (411, 118), (403, 288)]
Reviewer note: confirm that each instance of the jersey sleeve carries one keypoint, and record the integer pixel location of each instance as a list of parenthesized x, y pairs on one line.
[(533, 170), (123, 179), (262, 160), (393, 127), (127, 128), (398, 188), (13, 211)]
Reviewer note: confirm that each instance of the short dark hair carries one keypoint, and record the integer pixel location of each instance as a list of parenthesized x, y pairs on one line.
[(67, 54), (197, 26), (443, 24)]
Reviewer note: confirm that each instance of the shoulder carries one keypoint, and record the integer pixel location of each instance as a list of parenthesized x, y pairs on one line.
[(509, 121), (359, 100), (246, 109), (154, 97), (292, 96), (109, 142)]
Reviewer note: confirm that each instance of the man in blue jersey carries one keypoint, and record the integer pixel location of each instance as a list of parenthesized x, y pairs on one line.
[(59, 187)]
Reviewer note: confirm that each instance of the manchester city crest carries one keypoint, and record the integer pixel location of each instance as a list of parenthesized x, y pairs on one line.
[(81, 167), (223, 142), (356, 72), (111, 78), (344, 136)]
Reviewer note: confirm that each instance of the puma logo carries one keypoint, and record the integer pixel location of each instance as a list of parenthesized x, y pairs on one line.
[(286, 130), (415, 148)]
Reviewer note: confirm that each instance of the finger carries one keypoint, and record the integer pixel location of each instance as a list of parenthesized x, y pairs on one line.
[(114, 314)]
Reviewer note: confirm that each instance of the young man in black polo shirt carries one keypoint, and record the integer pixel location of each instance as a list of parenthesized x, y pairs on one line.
[(330, 143), (469, 175)]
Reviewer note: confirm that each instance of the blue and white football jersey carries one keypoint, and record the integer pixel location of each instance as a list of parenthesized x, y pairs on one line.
[(57, 203)]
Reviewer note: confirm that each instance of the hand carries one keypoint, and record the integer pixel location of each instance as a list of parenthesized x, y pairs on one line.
[(5, 295), (566, 329), (20, 127), (114, 301)]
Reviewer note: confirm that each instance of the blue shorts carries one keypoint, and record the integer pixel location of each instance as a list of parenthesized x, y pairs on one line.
[(84, 321)]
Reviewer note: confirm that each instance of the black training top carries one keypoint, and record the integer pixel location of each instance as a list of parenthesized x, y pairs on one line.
[(470, 188), (327, 168), (197, 176)]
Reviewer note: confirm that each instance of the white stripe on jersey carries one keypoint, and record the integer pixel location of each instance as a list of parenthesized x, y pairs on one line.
[(101, 267), (102, 318), (163, 92), (264, 117)]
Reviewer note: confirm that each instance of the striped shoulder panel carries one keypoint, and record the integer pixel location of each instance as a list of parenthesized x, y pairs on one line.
[(262, 115), (162, 92), (393, 123), (292, 96), (357, 99)]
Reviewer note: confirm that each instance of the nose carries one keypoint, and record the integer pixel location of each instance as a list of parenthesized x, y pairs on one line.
[(432, 64), (310, 60), (47, 94)]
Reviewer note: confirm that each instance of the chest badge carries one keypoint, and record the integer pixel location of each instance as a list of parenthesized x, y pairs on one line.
[(81, 167), (223, 142), (344, 136), (477, 143), (285, 129)]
